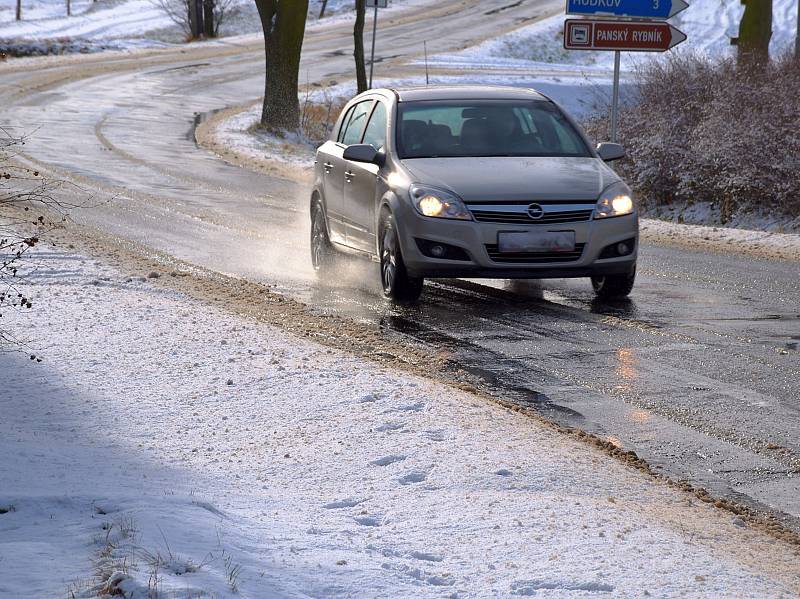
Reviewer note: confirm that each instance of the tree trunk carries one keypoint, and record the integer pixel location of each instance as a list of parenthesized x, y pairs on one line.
[(195, 18), (284, 25), (69, 8), (208, 18), (755, 31), (19, 10), (322, 9), (358, 39)]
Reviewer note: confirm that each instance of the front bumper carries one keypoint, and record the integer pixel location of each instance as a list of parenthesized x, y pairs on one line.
[(474, 237)]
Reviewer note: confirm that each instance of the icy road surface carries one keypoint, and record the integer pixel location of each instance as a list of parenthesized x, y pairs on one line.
[(198, 452), (699, 372)]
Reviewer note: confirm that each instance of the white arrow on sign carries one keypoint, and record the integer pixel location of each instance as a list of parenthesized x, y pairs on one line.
[(677, 6), (636, 9)]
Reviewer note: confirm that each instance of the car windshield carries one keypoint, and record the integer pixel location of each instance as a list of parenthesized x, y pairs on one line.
[(447, 129)]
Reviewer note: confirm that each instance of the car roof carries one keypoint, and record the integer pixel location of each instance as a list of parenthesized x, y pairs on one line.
[(466, 92)]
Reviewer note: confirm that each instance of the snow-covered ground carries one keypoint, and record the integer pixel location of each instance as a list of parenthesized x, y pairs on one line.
[(90, 21), (128, 24), (239, 131), (170, 445), (709, 25)]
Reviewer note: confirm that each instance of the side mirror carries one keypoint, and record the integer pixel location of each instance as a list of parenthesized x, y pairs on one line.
[(609, 151), (364, 153)]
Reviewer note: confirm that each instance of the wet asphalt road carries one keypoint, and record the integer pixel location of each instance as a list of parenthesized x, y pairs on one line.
[(699, 372)]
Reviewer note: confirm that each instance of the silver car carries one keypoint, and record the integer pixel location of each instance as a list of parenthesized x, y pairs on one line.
[(471, 182)]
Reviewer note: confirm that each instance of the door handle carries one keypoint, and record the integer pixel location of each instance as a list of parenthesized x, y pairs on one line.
[(328, 167), (348, 176)]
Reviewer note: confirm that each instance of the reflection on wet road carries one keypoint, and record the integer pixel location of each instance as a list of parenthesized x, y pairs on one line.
[(699, 372)]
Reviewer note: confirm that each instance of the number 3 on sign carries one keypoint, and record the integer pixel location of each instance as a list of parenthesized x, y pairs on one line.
[(656, 4)]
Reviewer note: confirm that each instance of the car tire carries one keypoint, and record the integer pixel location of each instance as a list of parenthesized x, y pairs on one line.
[(397, 285), (322, 251), (614, 286)]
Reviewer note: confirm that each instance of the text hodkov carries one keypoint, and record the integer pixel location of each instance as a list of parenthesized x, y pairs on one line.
[(597, 3)]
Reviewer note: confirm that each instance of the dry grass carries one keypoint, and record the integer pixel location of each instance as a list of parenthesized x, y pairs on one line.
[(318, 118)]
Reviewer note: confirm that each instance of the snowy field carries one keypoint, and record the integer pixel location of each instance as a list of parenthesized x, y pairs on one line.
[(129, 24), (166, 445)]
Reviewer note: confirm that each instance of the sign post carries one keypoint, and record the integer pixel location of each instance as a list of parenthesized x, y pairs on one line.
[(374, 4), (635, 26)]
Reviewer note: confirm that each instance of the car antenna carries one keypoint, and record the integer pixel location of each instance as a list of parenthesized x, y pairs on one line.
[(425, 45)]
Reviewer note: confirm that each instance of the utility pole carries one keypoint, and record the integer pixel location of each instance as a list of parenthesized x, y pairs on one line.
[(69, 8), (797, 34), (19, 10)]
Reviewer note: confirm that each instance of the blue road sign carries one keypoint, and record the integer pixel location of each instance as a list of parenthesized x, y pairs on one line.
[(640, 9)]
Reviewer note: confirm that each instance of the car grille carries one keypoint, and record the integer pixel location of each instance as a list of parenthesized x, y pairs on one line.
[(534, 257), (515, 212), (522, 218)]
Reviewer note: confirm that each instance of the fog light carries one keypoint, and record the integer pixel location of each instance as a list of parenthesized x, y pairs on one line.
[(623, 249), (437, 251)]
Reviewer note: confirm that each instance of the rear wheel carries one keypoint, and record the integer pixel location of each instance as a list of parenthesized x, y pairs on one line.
[(614, 286), (322, 252), (397, 285)]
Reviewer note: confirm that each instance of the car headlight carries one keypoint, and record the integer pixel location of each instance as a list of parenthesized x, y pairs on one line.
[(616, 200), (438, 203)]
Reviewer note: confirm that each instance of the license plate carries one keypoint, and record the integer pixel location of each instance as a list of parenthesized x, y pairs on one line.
[(553, 241)]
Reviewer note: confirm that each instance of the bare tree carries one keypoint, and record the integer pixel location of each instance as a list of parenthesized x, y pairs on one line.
[(23, 192), (198, 18), (284, 25), (358, 44)]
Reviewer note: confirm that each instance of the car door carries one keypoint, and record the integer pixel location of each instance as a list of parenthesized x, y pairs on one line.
[(360, 185), (350, 134), (329, 161)]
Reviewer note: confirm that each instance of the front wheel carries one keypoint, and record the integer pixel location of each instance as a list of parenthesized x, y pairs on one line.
[(397, 285), (614, 286)]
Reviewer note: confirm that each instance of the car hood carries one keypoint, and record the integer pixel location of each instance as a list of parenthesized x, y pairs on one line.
[(514, 178)]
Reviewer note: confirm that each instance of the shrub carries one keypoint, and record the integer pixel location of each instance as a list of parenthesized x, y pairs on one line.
[(704, 130)]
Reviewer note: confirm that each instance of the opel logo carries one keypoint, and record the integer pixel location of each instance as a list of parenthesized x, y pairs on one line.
[(535, 211)]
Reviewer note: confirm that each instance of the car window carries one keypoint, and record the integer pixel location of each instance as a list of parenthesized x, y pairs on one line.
[(444, 129), (345, 120), (355, 126), (375, 133)]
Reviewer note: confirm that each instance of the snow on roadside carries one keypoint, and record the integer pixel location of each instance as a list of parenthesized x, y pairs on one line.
[(766, 244), (240, 131), (174, 446)]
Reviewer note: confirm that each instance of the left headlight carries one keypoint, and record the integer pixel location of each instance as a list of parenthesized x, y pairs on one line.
[(438, 203), (616, 200)]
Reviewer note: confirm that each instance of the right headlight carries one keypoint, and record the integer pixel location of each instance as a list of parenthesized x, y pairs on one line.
[(616, 200), (438, 203)]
